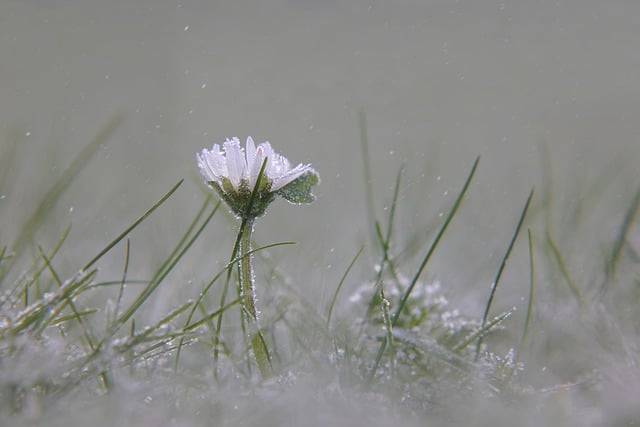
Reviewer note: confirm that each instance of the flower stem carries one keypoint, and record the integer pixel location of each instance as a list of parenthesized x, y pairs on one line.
[(248, 295)]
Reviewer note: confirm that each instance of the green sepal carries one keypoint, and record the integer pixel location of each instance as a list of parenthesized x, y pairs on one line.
[(298, 191)]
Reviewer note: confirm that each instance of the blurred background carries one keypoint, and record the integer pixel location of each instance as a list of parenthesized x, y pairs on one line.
[(547, 92)]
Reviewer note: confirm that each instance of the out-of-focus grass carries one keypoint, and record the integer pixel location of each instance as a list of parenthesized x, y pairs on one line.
[(395, 349)]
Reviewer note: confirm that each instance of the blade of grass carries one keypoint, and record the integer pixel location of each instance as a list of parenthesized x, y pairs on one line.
[(575, 291), (116, 311), (379, 294), (623, 232), (39, 270), (74, 309), (503, 263), (344, 276), (69, 317), (482, 331), (163, 272), (532, 290), (132, 226), (405, 297), (226, 268)]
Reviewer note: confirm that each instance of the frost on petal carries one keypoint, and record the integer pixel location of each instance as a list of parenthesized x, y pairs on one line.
[(289, 176), (212, 164), (236, 163), (257, 165), (204, 168), (216, 161), (250, 152), (298, 189)]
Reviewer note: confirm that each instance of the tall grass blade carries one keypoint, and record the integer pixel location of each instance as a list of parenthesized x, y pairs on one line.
[(226, 268), (496, 281), (575, 291), (532, 291), (163, 271), (414, 281), (344, 276), (132, 226), (623, 232)]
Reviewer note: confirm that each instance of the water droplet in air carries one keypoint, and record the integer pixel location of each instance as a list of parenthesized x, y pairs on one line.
[(27, 134), (204, 85), (186, 28)]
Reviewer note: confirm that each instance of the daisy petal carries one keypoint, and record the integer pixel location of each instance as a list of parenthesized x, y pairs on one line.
[(250, 152), (257, 164), (290, 176), (235, 162)]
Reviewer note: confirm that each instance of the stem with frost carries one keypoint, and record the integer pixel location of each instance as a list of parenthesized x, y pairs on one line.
[(248, 297)]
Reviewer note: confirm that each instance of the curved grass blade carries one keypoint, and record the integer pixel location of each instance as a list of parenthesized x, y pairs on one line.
[(164, 270), (483, 330), (344, 276), (532, 290), (116, 311), (34, 278), (619, 243), (503, 263), (445, 225), (205, 290), (132, 226), (575, 291)]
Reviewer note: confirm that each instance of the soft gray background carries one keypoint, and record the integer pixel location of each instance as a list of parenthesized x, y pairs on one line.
[(441, 82)]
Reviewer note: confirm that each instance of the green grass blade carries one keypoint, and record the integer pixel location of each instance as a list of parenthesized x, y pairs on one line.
[(482, 331), (132, 226), (206, 289), (163, 272), (532, 290), (623, 232), (344, 276), (424, 262), (575, 291), (503, 263), (74, 309), (116, 311), (62, 319), (40, 269)]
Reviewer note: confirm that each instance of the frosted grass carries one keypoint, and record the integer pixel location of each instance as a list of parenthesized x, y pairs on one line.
[(83, 344)]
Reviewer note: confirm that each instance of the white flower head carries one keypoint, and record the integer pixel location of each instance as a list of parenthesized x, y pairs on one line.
[(234, 173)]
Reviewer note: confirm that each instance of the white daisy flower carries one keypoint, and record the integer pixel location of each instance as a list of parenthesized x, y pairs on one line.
[(234, 172)]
